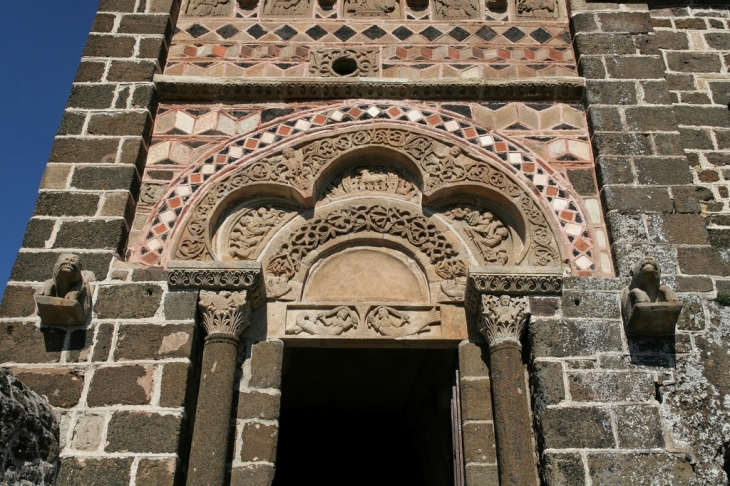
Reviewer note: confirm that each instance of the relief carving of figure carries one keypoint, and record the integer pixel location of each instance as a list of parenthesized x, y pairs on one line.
[(205, 8), (486, 232), (334, 322), (250, 230), (445, 166), (372, 179), (285, 7), (503, 316), (390, 322), (646, 288), (536, 8), (65, 299), (370, 8), (456, 9)]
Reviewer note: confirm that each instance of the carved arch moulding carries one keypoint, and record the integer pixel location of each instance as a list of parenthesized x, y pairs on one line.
[(506, 206)]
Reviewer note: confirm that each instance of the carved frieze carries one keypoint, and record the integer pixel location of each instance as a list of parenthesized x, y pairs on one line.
[(542, 9), (208, 8), (363, 321), (225, 312), (482, 281), (218, 276), (353, 62), (503, 317), (65, 299), (372, 179), (456, 9), (372, 8), (286, 8)]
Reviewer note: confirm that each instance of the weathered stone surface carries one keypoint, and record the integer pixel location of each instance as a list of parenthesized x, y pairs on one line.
[(609, 469), (481, 474), (143, 432), (597, 305), (88, 432), (25, 343), (473, 359), (79, 150), (634, 199), (130, 301), (253, 475), (254, 404), (38, 266), (259, 442), (149, 341), (686, 229), (181, 305), (694, 62), (611, 387), (639, 427), (266, 358), (574, 337), (548, 387), (103, 345), (30, 432), (702, 261), (120, 385), (92, 234), (66, 204), (563, 469), (156, 472), (61, 387), (18, 301), (93, 472), (174, 384), (565, 428), (476, 399), (479, 445)]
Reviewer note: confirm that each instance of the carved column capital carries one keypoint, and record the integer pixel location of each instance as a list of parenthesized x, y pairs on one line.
[(225, 312), (503, 317)]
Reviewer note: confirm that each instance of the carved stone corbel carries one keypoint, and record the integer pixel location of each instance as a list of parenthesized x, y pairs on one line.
[(65, 299)]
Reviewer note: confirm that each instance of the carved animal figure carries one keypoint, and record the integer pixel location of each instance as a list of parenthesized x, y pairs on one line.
[(67, 281), (645, 286), (334, 322), (368, 178), (208, 7), (390, 322)]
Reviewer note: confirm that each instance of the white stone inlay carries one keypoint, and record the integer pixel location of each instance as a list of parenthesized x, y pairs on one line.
[(594, 210), (302, 125), (154, 245), (451, 126), (486, 141), (183, 190), (268, 138), (514, 157), (573, 229), (208, 169), (540, 180), (559, 203), (605, 262), (184, 122), (167, 216), (337, 115), (373, 111), (414, 115), (583, 262), (236, 152), (601, 239)]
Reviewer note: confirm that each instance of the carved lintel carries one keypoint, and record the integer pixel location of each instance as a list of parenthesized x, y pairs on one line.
[(503, 317), (647, 306), (65, 299), (219, 276), (225, 312), (484, 282)]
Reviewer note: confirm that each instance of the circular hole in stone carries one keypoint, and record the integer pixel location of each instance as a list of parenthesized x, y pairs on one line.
[(344, 66)]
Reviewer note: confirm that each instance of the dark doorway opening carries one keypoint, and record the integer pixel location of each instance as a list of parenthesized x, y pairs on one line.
[(366, 417)]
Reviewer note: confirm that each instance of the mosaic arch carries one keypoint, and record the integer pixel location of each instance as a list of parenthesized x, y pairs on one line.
[(250, 156)]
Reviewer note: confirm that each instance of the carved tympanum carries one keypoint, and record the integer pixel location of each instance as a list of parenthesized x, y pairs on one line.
[(65, 299), (352, 62), (205, 8), (537, 8), (250, 228), (647, 306), (371, 179), (394, 323), (503, 317), (456, 9), (372, 8), (286, 8), (333, 322), (454, 273), (225, 312), (486, 232)]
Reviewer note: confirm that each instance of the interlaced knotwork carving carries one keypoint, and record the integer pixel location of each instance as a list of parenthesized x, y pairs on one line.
[(503, 317), (417, 229), (225, 312), (371, 179)]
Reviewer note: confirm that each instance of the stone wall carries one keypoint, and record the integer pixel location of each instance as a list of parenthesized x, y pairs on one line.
[(29, 448)]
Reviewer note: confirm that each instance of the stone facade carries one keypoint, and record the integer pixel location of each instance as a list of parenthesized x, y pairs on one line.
[(241, 177)]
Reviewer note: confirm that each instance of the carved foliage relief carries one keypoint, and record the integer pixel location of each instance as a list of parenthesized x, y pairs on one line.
[(329, 63), (503, 317), (243, 235)]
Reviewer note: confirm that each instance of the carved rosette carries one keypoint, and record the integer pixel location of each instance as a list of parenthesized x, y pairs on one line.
[(225, 312), (323, 62), (503, 318)]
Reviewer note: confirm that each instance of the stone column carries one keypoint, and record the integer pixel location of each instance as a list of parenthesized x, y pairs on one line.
[(502, 322), (225, 315)]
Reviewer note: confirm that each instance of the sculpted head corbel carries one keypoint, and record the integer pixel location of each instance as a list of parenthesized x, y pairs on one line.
[(65, 299)]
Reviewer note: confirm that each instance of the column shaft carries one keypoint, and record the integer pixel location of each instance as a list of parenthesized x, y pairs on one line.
[(213, 413)]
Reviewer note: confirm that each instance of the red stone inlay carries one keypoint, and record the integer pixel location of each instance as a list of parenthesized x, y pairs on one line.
[(284, 130), (319, 119), (150, 258), (433, 120), (251, 143), (160, 228), (552, 191), (175, 203), (196, 178), (500, 147), (528, 167), (567, 216), (219, 51), (470, 133), (581, 245)]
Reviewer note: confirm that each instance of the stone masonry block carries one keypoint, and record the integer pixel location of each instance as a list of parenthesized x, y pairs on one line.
[(476, 399), (694, 284), (66, 204), (718, 40), (266, 357), (79, 344), (687, 229), (614, 170), (482, 475), (254, 404), (567, 428), (591, 67), (688, 199), (88, 432), (584, 22), (696, 139), (92, 472), (103, 23), (106, 178), (117, 5), (639, 427), (90, 72), (583, 181), (153, 48), (662, 171), (702, 261), (174, 384), (720, 92), (611, 387), (630, 468), (92, 234), (650, 119), (622, 144), (604, 92), (548, 387), (131, 71), (181, 305), (126, 123), (253, 475), (605, 118), (134, 151), (668, 143), (118, 204), (18, 301), (120, 385), (157, 472), (631, 22), (655, 92), (25, 343), (88, 151), (72, 123), (627, 228), (129, 301), (143, 432), (164, 6), (635, 67), (637, 199), (259, 442), (597, 305), (145, 24), (145, 96), (61, 387), (695, 115), (479, 445), (563, 469), (55, 176), (38, 266), (694, 62), (150, 341), (598, 44), (150, 274), (574, 337), (109, 46), (473, 359), (103, 345), (91, 97)]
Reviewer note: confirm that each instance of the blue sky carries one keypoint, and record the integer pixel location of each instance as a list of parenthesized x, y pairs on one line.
[(44, 44)]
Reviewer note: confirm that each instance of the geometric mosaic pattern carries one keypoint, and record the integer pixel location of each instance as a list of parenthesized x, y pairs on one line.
[(582, 225)]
